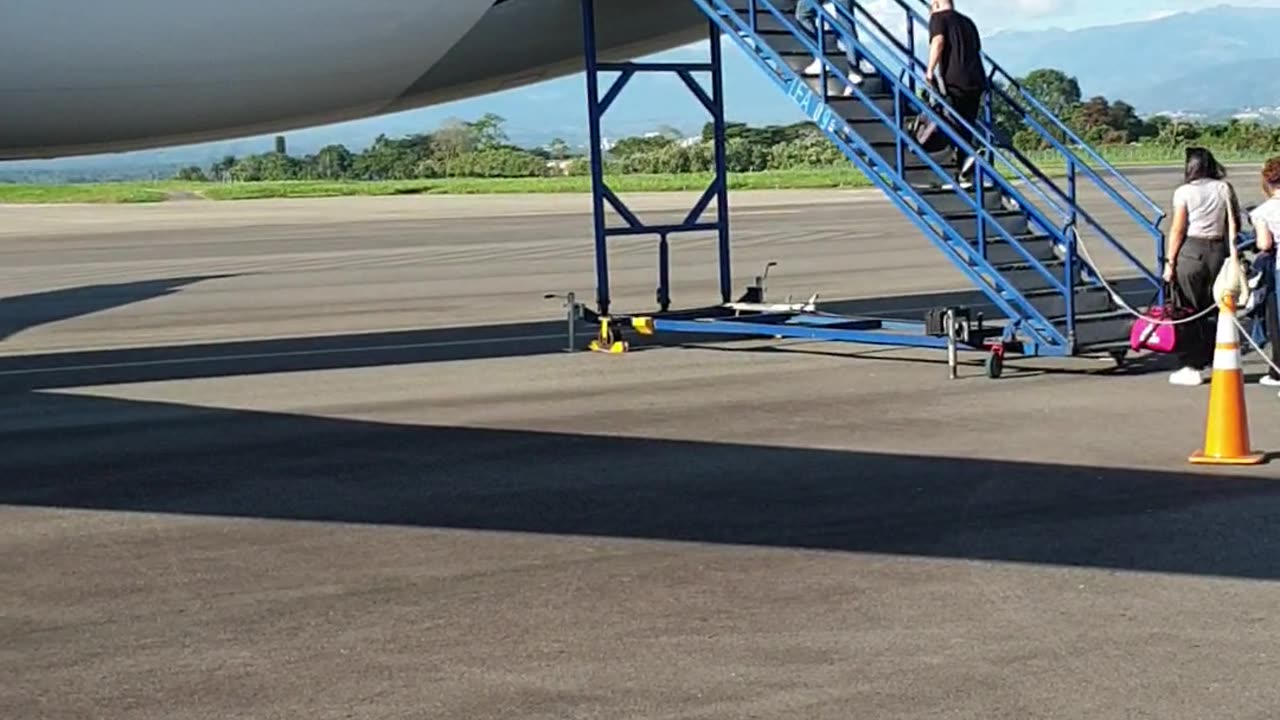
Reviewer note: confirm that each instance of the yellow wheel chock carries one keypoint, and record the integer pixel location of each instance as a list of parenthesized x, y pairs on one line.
[(608, 341), (643, 325)]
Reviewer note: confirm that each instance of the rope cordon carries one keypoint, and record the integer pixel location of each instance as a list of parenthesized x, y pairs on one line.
[(1119, 300)]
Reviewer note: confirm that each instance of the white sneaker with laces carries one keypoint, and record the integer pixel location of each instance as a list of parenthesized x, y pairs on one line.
[(854, 79), (1189, 377)]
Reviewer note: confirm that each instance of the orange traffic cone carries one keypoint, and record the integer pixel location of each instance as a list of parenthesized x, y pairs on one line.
[(1226, 437)]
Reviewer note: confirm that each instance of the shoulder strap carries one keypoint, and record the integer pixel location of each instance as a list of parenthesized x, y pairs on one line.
[(1233, 206)]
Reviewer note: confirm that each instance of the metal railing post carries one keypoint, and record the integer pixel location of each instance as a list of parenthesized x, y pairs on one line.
[(597, 155)]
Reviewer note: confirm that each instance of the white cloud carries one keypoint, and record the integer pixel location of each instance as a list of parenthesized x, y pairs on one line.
[(1006, 11), (1041, 8)]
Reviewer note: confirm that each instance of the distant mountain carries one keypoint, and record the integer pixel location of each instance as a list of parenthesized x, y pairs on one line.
[(1209, 60), (1245, 84), (1212, 62)]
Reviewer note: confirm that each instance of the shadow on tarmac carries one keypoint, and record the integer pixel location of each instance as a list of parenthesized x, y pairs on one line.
[(108, 454), (23, 312), (43, 371), (67, 451)]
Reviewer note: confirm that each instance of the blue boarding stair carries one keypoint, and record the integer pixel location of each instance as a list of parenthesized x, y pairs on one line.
[(1015, 232)]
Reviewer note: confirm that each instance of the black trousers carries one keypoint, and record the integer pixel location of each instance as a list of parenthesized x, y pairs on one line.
[(1272, 322), (1196, 268), (1269, 313), (968, 105), (807, 16)]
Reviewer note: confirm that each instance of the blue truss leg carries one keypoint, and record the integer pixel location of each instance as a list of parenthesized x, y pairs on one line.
[(664, 273), (598, 189), (602, 197), (722, 164)]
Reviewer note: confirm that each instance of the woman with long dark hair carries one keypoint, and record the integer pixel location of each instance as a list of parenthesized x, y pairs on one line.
[(1202, 235)]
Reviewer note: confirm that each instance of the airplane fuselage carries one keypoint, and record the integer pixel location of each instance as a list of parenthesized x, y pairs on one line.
[(85, 76)]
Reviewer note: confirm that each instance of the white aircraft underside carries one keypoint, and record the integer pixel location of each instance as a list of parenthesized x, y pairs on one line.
[(91, 76)]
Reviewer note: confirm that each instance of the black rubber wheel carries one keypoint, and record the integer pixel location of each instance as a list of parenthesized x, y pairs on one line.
[(995, 366), (1120, 357)]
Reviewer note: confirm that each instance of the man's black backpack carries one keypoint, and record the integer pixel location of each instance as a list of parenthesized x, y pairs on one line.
[(926, 130)]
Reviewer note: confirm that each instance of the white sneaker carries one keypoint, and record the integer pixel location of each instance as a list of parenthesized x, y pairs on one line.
[(1189, 377), (815, 68), (854, 79), (1269, 381)]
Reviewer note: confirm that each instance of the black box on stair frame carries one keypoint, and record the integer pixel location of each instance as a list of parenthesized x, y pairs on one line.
[(935, 320)]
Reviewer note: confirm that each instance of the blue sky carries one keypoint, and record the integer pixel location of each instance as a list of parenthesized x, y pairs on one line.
[(996, 15)]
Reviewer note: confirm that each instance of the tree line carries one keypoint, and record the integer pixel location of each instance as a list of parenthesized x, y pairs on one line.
[(1102, 122), (481, 148)]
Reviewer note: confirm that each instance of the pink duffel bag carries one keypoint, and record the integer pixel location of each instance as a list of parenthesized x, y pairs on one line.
[(1151, 331)]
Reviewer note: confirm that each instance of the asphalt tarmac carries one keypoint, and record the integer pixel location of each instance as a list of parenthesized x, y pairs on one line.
[(326, 458)]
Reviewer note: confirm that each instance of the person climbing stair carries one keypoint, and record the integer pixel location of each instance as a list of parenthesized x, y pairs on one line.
[(955, 64), (1266, 224), (807, 18)]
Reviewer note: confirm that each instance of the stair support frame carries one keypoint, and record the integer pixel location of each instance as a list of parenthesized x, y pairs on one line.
[(1027, 331), (602, 195), (895, 185)]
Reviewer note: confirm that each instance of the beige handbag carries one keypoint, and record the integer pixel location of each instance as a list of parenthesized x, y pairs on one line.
[(1232, 280)]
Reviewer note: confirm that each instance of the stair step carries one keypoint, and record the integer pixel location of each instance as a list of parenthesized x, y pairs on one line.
[(889, 151), (916, 175), (1099, 328), (873, 131), (1088, 300), (766, 22), (948, 202), (802, 59), (870, 84), (785, 43), (854, 109), (1027, 278), (1001, 252), (1013, 222), (922, 177)]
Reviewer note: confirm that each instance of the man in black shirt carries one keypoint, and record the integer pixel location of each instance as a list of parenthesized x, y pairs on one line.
[(955, 63)]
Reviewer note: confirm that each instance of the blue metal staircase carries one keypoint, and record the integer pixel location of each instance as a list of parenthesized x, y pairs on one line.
[(1015, 232)]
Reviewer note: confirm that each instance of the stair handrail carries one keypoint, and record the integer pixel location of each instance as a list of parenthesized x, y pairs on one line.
[(996, 67), (1068, 215), (1075, 211), (1042, 329), (818, 51), (992, 171), (1078, 213), (907, 70), (944, 124), (907, 52)]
